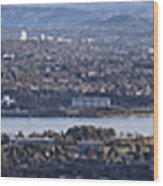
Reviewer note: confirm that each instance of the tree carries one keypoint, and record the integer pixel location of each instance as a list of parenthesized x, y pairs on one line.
[(20, 135), (4, 164), (4, 138)]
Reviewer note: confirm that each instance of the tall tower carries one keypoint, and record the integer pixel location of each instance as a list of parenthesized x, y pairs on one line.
[(24, 35)]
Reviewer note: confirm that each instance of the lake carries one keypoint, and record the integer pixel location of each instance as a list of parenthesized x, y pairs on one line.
[(133, 124)]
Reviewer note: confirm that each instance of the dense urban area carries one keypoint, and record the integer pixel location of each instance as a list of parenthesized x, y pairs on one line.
[(81, 152), (44, 70)]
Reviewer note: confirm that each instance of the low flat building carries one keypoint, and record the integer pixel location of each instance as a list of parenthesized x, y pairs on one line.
[(91, 102)]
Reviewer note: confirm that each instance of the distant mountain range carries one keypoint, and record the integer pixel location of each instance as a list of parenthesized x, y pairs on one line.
[(74, 15)]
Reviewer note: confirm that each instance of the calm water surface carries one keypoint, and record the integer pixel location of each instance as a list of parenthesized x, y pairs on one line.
[(133, 124)]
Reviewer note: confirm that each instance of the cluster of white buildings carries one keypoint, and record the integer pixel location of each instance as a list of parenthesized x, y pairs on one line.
[(24, 36)]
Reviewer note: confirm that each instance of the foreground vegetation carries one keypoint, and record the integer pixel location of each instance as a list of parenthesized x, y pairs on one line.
[(82, 152)]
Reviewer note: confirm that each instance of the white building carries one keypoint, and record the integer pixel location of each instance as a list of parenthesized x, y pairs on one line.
[(7, 100), (91, 102), (42, 37), (24, 35)]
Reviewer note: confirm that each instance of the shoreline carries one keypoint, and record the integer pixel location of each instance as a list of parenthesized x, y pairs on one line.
[(107, 115)]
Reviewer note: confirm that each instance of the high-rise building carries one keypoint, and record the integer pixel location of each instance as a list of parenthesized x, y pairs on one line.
[(24, 35)]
